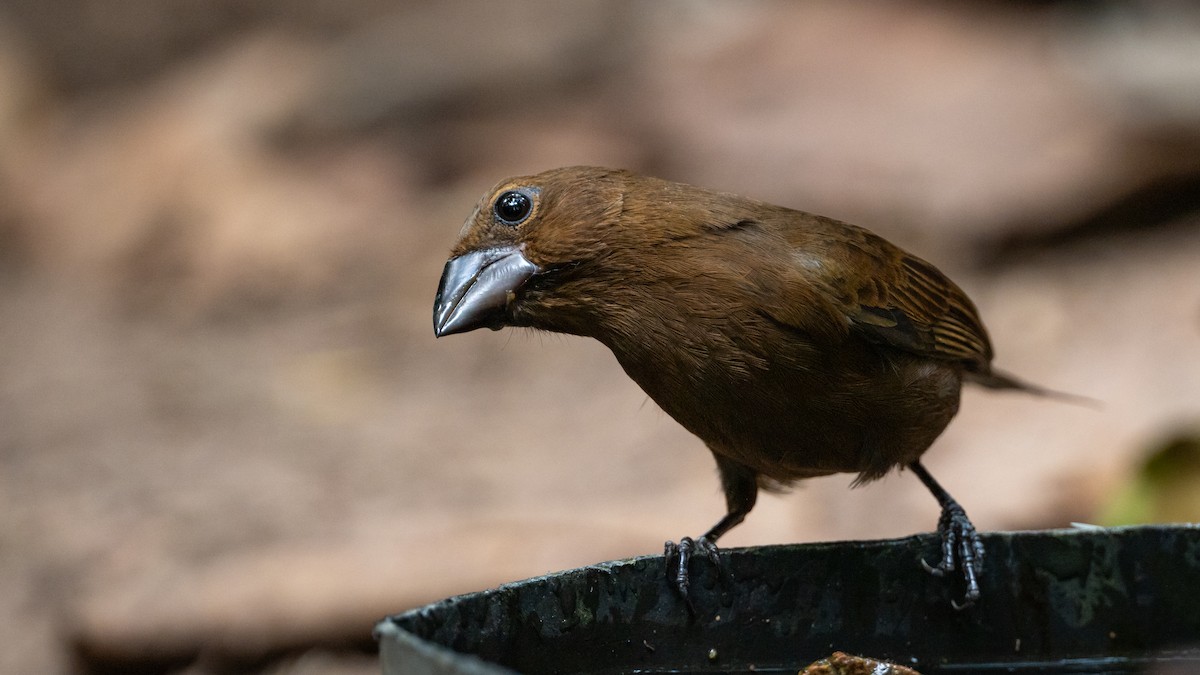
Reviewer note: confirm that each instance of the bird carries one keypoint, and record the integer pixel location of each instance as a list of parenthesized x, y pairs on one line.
[(792, 344)]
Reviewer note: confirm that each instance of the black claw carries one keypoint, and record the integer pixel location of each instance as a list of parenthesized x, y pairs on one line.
[(961, 546), (961, 549), (671, 553), (710, 551), (935, 571), (683, 577), (678, 558)]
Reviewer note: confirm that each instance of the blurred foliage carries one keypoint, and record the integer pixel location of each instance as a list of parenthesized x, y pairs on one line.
[(1163, 488)]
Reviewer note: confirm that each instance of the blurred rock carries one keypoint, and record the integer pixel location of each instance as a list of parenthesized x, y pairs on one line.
[(245, 608), (467, 59), (175, 199), (1144, 58), (226, 427), (88, 45), (22, 98), (934, 127)]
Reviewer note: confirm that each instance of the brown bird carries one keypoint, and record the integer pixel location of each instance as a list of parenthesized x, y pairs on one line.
[(792, 344)]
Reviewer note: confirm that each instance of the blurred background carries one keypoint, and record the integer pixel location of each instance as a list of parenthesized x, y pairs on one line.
[(229, 441)]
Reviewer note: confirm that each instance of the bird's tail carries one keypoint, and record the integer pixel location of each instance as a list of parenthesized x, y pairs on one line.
[(994, 379)]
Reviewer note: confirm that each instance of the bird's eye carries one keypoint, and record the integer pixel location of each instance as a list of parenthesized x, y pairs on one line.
[(513, 207)]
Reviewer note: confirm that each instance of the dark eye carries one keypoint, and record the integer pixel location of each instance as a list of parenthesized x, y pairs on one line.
[(512, 207)]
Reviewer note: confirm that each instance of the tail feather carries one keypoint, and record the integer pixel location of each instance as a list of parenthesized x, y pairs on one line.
[(994, 379)]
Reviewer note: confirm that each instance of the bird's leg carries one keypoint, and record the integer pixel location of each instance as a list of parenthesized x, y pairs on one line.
[(741, 491), (961, 546)]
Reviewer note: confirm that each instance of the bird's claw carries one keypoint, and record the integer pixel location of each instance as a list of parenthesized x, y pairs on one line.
[(935, 571), (679, 557), (961, 549)]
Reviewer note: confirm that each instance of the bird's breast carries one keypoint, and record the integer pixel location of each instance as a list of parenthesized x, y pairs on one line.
[(787, 406)]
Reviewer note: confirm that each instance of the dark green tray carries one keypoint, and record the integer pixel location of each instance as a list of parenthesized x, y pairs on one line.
[(1079, 601)]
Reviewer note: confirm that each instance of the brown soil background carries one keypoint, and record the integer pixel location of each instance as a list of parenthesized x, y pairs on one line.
[(228, 438)]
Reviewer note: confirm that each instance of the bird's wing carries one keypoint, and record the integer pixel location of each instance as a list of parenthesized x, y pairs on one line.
[(839, 279), (909, 304)]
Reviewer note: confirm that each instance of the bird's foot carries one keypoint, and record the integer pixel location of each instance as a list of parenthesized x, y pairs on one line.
[(679, 556), (961, 549)]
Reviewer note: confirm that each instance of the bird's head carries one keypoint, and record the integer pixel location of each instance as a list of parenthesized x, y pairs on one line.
[(527, 236)]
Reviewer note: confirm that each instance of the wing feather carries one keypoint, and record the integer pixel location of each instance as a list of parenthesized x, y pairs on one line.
[(884, 294), (939, 320)]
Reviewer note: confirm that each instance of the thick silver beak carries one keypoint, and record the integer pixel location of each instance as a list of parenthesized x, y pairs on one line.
[(476, 288)]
